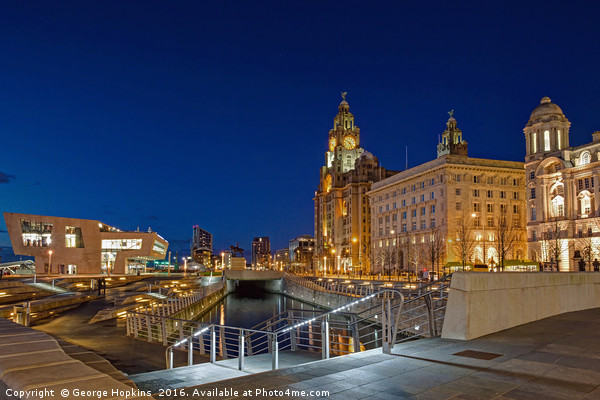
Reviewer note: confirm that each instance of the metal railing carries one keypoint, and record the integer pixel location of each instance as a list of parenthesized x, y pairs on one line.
[(381, 319)]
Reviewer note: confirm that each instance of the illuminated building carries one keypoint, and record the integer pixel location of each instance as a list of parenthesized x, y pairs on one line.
[(261, 252), (301, 251), (71, 245), (202, 246), (342, 216), (425, 205), (563, 214)]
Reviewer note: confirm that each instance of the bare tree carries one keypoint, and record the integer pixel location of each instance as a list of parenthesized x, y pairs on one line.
[(435, 249), (387, 257), (552, 248), (586, 249), (464, 243), (506, 237)]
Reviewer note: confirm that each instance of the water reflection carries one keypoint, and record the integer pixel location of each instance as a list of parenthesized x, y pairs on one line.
[(240, 309)]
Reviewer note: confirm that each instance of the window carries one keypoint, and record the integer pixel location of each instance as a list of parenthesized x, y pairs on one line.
[(490, 194), (558, 206), (403, 203), (476, 207), (475, 192), (534, 236), (476, 222), (121, 244), (533, 193), (423, 224), (432, 223), (458, 206), (534, 142), (532, 175), (404, 215), (422, 210), (395, 217), (490, 207), (503, 208), (490, 180), (515, 182), (476, 179), (457, 192), (546, 140), (502, 194), (404, 227), (414, 225), (490, 222), (516, 195), (432, 209), (516, 209), (413, 200), (533, 214), (422, 197), (432, 195), (585, 205), (585, 158), (414, 213), (73, 237)]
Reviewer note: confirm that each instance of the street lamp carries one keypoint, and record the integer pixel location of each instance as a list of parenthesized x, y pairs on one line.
[(332, 260), (184, 266), (324, 266), (484, 239), (49, 261)]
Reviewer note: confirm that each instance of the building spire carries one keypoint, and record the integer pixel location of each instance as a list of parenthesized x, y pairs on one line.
[(344, 96)]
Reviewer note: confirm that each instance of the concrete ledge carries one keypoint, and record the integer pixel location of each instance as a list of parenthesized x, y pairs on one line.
[(482, 303), (33, 360)]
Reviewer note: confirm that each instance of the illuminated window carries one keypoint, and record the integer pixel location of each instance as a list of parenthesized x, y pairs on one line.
[(546, 140), (534, 142), (558, 206), (121, 244), (36, 234), (558, 139), (159, 247), (585, 158), (73, 237)]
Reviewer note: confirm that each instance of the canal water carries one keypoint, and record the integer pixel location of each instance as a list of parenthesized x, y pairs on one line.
[(250, 305)]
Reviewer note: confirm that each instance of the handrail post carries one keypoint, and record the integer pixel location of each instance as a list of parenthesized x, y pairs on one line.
[(190, 345), (241, 351), (170, 358), (275, 360), (213, 345), (325, 338)]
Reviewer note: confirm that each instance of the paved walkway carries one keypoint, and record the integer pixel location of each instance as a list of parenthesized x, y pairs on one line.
[(555, 358), (226, 369)]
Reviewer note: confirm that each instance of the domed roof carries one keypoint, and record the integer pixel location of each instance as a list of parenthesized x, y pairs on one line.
[(367, 154), (343, 103), (546, 107)]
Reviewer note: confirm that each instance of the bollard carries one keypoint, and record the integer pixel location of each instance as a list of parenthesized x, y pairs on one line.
[(190, 350)]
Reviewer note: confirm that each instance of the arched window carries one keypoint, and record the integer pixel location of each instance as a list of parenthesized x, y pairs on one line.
[(546, 140), (585, 205), (534, 142), (585, 158), (558, 206), (558, 139)]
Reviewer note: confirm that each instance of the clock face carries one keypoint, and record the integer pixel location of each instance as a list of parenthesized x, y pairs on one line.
[(349, 142), (327, 183), (332, 143)]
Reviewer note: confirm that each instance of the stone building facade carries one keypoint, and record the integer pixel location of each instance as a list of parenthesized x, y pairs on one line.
[(342, 215), (563, 211), (420, 209)]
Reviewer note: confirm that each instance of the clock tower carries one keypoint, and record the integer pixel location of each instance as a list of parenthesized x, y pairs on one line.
[(342, 212)]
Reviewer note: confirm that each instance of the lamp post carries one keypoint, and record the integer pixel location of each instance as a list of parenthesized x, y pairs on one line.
[(49, 261), (324, 266), (184, 266), (354, 241), (483, 238), (332, 260)]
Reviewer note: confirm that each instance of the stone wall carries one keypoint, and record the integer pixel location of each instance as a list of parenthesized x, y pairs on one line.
[(482, 303)]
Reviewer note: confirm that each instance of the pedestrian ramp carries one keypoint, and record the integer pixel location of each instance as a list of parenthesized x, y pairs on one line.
[(48, 287), (200, 374)]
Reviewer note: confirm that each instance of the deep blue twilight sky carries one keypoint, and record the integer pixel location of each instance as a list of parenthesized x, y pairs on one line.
[(172, 114)]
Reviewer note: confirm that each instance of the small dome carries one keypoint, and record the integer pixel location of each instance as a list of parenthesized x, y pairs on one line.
[(546, 107), (367, 154)]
